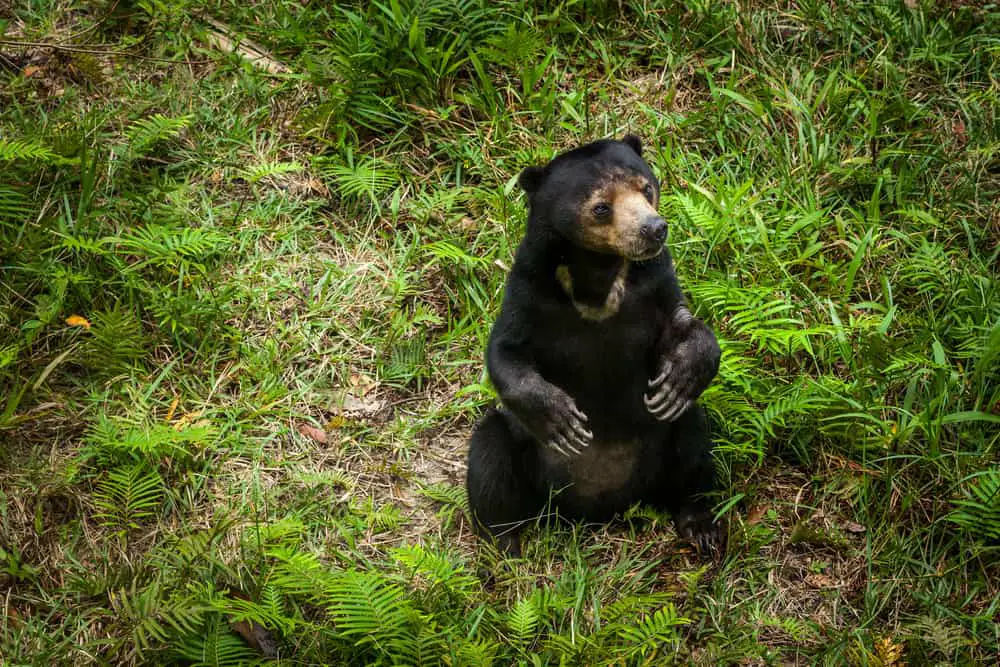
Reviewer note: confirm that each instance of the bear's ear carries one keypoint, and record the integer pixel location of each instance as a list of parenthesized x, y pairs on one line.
[(531, 179), (633, 142)]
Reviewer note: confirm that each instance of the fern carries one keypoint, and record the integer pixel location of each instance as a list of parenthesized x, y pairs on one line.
[(13, 150), (176, 249), (15, 206), (942, 634), (448, 494), (426, 648), (116, 342), (383, 518), (437, 569), (264, 170), (978, 509), (267, 611), (655, 629), (450, 253), (366, 607), (128, 496), (154, 615), (110, 442), (146, 133), (214, 645), (523, 620), (363, 179)]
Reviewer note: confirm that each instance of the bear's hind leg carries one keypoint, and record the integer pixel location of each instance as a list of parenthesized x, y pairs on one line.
[(502, 481), (685, 482)]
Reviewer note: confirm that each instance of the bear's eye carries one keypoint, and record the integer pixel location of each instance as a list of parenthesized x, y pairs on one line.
[(601, 210), (648, 191)]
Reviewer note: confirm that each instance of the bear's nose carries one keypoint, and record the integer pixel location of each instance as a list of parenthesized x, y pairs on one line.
[(654, 229)]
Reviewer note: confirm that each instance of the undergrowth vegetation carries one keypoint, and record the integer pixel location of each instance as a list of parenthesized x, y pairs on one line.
[(249, 257)]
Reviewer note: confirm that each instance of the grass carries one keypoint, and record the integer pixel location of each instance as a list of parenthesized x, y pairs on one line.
[(243, 312)]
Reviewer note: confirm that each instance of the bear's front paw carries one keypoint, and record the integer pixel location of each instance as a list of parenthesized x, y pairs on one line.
[(683, 376), (565, 430)]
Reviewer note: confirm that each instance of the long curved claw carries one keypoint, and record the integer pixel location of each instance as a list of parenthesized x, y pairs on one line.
[(666, 394), (667, 367), (662, 400), (565, 443), (552, 444), (679, 408)]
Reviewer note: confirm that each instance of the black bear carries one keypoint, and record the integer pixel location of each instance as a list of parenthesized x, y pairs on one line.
[(596, 359)]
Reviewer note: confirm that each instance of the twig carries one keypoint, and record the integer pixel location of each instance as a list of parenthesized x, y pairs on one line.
[(99, 52), (218, 36)]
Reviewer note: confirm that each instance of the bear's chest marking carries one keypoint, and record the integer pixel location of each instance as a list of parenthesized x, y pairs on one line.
[(597, 469), (612, 302)]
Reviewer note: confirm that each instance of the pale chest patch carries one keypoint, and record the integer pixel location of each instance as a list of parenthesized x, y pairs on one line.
[(599, 468), (612, 302)]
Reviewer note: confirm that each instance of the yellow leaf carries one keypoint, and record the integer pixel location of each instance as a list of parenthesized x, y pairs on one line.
[(335, 423), (889, 653), (77, 321), (172, 409)]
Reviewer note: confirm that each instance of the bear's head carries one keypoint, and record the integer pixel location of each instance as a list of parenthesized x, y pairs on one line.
[(601, 197)]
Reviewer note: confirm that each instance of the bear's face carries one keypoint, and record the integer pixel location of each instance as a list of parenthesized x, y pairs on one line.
[(601, 197)]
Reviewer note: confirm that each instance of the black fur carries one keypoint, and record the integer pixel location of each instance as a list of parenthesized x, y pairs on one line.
[(562, 378)]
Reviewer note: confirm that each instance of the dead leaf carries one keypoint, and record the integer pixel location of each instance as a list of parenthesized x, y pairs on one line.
[(353, 405), (31, 70), (361, 384), (467, 224), (318, 186), (852, 527), (172, 409), (78, 321), (958, 130), (817, 580), (317, 434), (890, 654), (756, 514), (186, 419), (257, 637), (335, 422)]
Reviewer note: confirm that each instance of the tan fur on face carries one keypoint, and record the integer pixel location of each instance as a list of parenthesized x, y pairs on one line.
[(618, 235)]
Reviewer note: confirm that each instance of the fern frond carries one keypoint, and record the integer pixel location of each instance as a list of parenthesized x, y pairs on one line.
[(437, 569), (366, 606), (15, 206), (654, 629), (264, 170), (448, 494), (450, 253), (363, 179), (978, 509), (523, 620), (154, 614), (164, 246), (215, 645), (128, 496), (146, 133), (12, 150)]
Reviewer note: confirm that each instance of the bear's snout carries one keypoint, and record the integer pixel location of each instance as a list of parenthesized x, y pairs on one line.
[(654, 228)]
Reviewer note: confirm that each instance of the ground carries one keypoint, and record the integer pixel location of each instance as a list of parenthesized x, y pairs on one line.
[(250, 254)]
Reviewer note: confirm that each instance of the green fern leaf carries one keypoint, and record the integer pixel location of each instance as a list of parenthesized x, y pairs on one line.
[(128, 496), (145, 133)]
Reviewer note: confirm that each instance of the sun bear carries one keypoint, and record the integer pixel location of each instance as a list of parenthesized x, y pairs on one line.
[(596, 359)]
